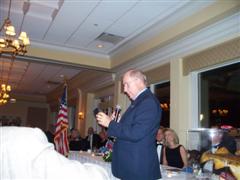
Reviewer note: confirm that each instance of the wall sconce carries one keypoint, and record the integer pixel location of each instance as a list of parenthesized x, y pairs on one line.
[(80, 116)]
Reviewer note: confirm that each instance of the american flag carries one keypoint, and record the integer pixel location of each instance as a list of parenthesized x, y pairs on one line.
[(60, 136)]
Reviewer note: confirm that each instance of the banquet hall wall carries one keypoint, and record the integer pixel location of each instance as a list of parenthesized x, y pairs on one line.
[(183, 92)]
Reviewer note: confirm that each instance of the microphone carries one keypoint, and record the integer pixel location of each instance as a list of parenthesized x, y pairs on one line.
[(117, 112)]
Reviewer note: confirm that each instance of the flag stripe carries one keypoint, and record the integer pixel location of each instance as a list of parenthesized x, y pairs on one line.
[(60, 136)]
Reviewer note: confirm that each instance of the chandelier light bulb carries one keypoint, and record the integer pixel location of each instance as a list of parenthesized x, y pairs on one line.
[(16, 44), (8, 88), (2, 43), (22, 36), (26, 41), (5, 96), (10, 31), (3, 87)]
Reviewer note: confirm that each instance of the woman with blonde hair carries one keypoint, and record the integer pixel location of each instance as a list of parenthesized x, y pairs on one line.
[(174, 154)]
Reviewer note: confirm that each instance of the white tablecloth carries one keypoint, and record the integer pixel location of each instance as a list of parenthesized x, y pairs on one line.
[(85, 157), (167, 172)]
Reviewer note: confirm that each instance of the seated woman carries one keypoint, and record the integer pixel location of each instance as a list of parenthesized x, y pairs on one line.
[(174, 154), (27, 154)]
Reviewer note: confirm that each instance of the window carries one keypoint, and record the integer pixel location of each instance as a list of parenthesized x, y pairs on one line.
[(220, 96), (162, 92)]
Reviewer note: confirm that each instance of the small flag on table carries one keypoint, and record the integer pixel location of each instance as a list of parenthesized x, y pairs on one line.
[(60, 136)]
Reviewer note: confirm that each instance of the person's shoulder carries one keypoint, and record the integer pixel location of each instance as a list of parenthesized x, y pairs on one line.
[(182, 147), (148, 96), (228, 139), (149, 101)]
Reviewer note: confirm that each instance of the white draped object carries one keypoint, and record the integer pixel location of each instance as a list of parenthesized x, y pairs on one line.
[(26, 154)]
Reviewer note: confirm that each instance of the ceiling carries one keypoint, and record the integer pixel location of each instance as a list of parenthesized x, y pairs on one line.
[(34, 78), (77, 24), (80, 26)]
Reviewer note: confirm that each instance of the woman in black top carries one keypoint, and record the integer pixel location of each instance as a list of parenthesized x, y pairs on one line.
[(174, 154)]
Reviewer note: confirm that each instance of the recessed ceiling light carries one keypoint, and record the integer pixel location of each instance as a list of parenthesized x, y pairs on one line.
[(100, 46), (12, 100), (61, 75)]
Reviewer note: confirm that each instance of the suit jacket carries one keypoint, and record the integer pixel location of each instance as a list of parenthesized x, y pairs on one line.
[(229, 143), (95, 142), (75, 145), (134, 151)]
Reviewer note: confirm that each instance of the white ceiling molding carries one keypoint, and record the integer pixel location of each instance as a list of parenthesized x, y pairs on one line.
[(68, 49), (217, 33)]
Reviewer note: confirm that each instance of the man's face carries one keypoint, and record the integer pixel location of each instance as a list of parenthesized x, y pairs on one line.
[(74, 134), (130, 85), (90, 130), (160, 135), (216, 138)]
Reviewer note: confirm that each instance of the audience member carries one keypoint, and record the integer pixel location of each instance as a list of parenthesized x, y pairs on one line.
[(92, 140), (15, 121), (220, 138), (50, 133), (174, 154), (75, 142), (160, 143), (5, 121), (103, 138)]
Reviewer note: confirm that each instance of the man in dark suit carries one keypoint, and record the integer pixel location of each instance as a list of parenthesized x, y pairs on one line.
[(75, 141), (160, 143), (92, 140), (134, 151), (218, 139)]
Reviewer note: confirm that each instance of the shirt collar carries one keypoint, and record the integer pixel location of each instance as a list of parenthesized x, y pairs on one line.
[(139, 93)]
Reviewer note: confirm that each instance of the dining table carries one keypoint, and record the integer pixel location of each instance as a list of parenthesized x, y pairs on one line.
[(168, 173)]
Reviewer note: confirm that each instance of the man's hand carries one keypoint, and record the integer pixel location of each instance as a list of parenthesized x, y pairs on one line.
[(103, 119)]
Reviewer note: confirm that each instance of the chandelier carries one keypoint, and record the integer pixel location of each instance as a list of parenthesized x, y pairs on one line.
[(9, 44), (4, 93)]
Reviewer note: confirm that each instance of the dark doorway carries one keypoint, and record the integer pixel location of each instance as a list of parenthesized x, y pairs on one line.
[(162, 92)]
